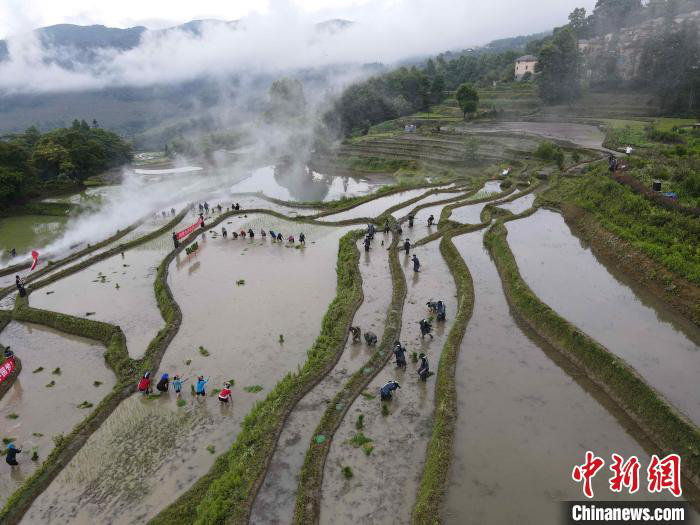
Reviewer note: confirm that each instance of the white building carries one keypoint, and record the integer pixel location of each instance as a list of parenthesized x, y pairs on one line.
[(525, 64)]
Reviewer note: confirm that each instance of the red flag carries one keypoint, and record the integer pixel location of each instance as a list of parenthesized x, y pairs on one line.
[(184, 233), (35, 256)]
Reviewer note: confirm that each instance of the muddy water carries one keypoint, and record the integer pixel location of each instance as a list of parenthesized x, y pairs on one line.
[(80, 361), (27, 232), (403, 212), (118, 290), (523, 422), (375, 207), (582, 134), (385, 482), (305, 184), (251, 201), (169, 171), (519, 205), (276, 499), (471, 213), (239, 325), (663, 349)]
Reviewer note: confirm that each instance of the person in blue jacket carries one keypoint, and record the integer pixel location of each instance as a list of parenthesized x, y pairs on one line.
[(11, 457), (386, 391), (199, 389)]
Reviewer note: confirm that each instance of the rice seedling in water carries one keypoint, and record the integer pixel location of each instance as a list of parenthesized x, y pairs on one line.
[(385, 409), (367, 395), (50, 384), (96, 383), (367, 448), (188, 361), (253, 389), (57, 371), (181, 402), (35, 455), (85, 404), (359, 440), (360, 424), (414, 357), (281, 339), (211, 449), (12, 416), (240, 282), (37, 370), (37, 434), (347, 472), (203, 351), (122, 478)]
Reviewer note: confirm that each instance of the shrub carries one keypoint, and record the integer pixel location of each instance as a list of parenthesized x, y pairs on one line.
[(550, 152)]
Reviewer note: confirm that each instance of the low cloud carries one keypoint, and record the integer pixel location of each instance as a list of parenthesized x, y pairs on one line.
[(284, 39)]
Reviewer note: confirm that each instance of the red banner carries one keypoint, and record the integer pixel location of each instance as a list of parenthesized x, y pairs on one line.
[(187, 231), (35, 257), (8, 365)]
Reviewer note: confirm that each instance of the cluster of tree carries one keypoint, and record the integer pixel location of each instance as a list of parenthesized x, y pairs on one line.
[(286, 100), (384, 97), (609, 16), (670, 68), (75, 153), (481, 69)]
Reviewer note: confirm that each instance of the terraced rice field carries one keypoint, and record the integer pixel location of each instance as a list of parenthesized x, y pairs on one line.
[(249, 311)]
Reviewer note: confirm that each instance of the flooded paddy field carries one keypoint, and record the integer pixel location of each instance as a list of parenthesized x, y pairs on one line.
[(26, 232), (662, 347), (583, 135), (59, 372), (275, 501), (235, 297), (387, 469), (374, 207), (525, 417), (471, 213), (403, 212), (306, 185), (118, 290), (520, 204)]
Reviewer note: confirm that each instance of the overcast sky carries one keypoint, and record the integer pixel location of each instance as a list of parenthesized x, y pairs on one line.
[(479, 20)]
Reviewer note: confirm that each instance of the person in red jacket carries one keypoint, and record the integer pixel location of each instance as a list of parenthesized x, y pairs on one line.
[(145, 384), (225, 394)]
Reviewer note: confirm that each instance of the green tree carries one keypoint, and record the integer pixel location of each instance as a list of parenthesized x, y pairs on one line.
[(558, 65), (610, 15), (669, 67), (468, 99), (286, 99), (437, 89), (577, 20)]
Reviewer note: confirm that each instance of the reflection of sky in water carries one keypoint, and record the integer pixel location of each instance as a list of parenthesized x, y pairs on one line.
[(141, 195), (302, 184)]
